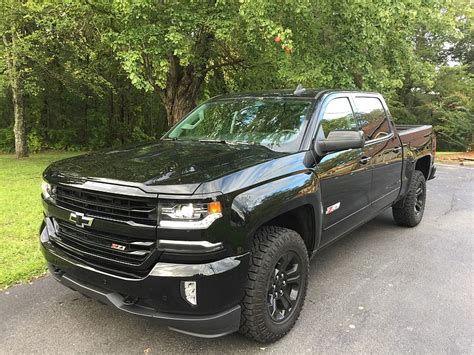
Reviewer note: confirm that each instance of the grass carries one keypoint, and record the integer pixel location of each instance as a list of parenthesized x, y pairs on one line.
[(458, 158), (443, 154), (20, 216)]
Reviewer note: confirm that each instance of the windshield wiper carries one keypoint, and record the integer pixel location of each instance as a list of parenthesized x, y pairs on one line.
[(221, 141)]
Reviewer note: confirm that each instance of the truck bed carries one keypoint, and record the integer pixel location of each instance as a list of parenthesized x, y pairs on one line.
[(411, 133)]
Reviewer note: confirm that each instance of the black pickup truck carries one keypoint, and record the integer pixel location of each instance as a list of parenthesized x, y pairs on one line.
[(211, 228)]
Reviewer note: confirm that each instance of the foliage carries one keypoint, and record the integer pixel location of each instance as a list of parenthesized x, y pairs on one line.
[(7, 140), (454, 121), (101, 73), (20, 180)]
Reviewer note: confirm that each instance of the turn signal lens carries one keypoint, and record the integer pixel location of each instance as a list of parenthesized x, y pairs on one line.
[(214, 207)]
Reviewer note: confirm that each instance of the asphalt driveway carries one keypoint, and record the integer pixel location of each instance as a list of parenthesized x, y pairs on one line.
[(381, 289)]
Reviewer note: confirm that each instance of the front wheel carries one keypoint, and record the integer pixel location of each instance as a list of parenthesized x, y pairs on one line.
[(409, 211), (276, 284)]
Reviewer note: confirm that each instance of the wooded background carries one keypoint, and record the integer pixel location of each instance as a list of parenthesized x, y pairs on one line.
[(83, 75)]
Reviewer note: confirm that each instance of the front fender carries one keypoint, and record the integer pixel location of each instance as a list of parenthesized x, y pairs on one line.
[(257, 206)]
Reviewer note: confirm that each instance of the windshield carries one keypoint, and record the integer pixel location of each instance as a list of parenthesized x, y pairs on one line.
[(273, 122)]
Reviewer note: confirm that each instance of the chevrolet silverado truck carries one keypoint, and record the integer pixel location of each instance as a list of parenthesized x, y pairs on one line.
[(210, 229)]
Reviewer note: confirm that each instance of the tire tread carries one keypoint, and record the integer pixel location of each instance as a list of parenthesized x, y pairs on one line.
[(267, 241), (403, 211)]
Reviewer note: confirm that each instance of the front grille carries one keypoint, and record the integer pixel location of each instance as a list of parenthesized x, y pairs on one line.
[(96, 247), (112, 206)]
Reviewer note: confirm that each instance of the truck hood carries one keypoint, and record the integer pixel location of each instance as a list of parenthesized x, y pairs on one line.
[(175, 166)]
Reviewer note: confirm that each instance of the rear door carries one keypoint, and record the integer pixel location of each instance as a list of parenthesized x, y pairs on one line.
[(382, 146), (345, 178)]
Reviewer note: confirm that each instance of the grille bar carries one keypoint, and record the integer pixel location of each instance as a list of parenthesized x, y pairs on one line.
[(81, 253), (93, 245), (104, 205), (101, 247), (95, 235), (140, 210)]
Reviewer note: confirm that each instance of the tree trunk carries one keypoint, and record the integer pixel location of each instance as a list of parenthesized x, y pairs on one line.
[(182, 89), (19, 129), (177, 106), (122, 117), (111, 117)]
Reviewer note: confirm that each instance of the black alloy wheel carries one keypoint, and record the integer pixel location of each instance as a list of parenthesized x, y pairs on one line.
[(420, 198), (284, 287)]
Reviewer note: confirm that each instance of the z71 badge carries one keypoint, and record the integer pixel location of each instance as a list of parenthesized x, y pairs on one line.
[(117, 246)]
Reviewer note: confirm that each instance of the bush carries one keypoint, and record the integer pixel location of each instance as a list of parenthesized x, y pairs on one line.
[(63, 139), (35, 142), (7, 140)]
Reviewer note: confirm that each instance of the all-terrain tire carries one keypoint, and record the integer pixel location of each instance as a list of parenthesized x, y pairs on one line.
[(409, 211), (270, 246)]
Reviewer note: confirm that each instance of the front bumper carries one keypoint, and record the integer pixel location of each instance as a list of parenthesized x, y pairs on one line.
[(220, 286)]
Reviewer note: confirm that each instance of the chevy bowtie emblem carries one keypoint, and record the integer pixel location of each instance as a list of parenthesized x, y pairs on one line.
[(80, 220)]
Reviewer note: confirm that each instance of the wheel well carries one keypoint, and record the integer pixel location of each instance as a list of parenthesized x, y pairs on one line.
[(423, 164), (301, 220)]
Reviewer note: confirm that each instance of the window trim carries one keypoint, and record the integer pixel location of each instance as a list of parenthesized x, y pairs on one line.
[(387, 118), (324, 105)]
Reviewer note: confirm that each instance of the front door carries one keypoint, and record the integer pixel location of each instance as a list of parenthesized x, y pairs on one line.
[(345, 176)]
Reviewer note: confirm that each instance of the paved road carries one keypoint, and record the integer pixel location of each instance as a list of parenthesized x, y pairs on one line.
[(381, 289)]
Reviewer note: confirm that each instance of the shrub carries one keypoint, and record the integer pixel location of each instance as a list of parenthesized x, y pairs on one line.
[(7, 140)]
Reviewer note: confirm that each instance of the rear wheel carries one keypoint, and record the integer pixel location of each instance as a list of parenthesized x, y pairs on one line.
[(409, 211), (276, 285)]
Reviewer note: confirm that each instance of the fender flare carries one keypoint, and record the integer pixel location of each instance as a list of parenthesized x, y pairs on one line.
[(259, 205)]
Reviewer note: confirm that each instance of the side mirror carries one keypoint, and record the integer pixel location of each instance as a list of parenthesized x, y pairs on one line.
[(341, 140)]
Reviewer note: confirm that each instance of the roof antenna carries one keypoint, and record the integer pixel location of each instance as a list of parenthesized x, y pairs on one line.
[(299, 90)]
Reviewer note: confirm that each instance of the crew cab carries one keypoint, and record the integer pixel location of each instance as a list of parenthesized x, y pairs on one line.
[(210, 229)]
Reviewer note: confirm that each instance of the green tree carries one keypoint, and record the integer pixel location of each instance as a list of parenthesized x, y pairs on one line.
[(13, 29), (171, 47), (91, 74)]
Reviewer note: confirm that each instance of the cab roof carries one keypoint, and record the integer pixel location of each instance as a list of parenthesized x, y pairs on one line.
[(306, 93)]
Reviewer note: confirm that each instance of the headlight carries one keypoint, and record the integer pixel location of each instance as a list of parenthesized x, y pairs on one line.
[(189, 215), (46, 189)]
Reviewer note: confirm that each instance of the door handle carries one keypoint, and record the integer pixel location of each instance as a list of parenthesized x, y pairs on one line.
[(397, 150), (364, 160)]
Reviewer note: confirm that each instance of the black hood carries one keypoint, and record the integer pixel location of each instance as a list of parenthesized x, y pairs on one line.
[(162, 163)]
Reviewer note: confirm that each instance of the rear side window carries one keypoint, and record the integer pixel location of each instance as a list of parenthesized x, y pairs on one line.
[(338, 116), (372, 117)]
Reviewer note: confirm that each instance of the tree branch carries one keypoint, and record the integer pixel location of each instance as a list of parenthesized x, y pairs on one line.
[(225, 64)]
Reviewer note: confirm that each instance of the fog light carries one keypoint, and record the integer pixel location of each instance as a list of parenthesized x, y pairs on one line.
[(190, 294)]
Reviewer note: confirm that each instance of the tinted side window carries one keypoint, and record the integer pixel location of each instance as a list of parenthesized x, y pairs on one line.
[(372, 117), (338, 116)]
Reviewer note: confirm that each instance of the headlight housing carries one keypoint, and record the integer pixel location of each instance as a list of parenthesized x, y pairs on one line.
[(188, 215)]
